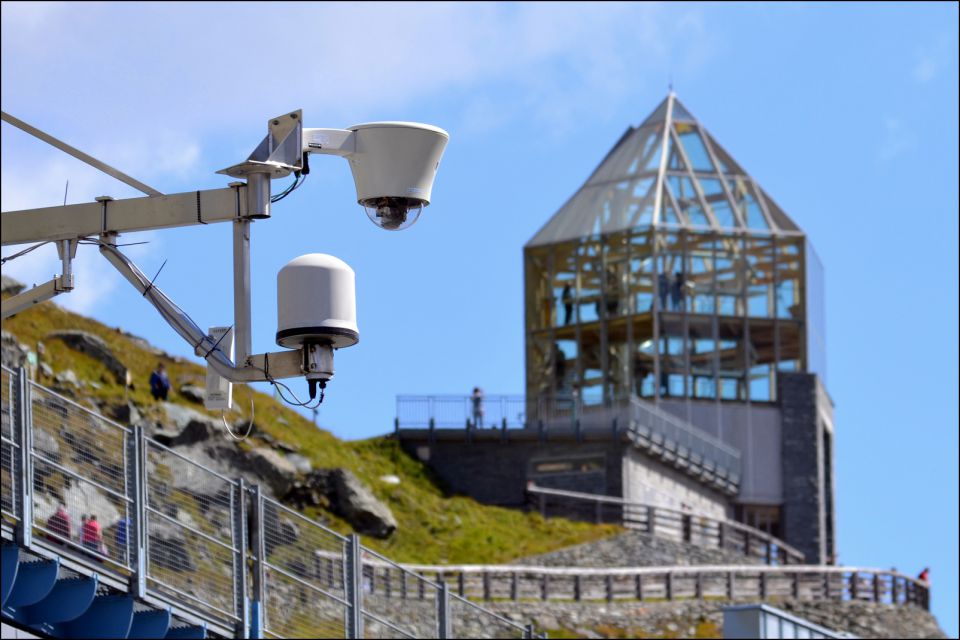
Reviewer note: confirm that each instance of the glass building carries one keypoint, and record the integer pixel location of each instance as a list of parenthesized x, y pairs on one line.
[(670, 274)]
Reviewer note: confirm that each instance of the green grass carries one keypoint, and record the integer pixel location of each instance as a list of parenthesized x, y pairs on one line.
[(434, 527)]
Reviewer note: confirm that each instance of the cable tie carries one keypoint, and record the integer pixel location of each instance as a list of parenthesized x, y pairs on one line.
[(199, 216)]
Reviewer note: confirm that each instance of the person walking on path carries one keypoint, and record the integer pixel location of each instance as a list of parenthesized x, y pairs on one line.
[(477, 399), (159, 383)]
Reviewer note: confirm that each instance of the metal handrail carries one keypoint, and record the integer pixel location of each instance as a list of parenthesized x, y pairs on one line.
[(792, 553)]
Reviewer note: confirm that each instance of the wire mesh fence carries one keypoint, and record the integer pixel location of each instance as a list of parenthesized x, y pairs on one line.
[(190, 531), (467, 620), (80, 493), (305, 584), (406, 599), (9, 446)]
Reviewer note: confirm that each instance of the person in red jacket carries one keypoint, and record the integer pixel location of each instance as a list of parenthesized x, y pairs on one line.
[(59, 524), (91, 535)]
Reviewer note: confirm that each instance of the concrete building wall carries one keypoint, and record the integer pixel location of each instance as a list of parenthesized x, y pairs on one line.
[(497, 473), (754, 430), (650, 482)]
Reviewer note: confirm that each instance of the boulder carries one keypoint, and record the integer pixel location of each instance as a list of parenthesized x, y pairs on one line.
[(46, 370), (12, 352), (95, 347), (67, 377), (193, 393), (272, 468), (350, 499), (11, 286), (180, 416), (126, 413), (300, 463)]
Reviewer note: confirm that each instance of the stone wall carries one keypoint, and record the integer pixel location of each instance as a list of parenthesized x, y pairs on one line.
[(704, 619), (635, 549)]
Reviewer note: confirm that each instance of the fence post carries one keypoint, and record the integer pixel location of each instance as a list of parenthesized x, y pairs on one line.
[(514, 586), (894, 595), (731, 585), (396, 427), (651, 516), (698, 593), (876, 587), (486, 585), (460, 583), (259, 547), (687, 526), (239, 517), (854, 585), (669, 586), (576, 587), (354, 587), (528, 631), (136, 523), (720, 535), (543, 587), (763, 585), (443, 612), (639, 586), (795, 590), (25, 462), (609, 587)]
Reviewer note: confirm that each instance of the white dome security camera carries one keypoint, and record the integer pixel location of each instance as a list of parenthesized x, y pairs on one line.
[(393, 164), (317, 311)]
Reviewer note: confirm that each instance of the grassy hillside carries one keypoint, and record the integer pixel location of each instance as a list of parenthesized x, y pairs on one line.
[(433, 526)]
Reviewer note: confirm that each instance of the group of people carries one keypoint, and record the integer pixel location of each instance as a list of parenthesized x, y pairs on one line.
[(674, 288), (90, 534)]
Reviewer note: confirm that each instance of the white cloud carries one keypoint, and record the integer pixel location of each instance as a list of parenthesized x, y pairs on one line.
[(932, 57), (895, 140)]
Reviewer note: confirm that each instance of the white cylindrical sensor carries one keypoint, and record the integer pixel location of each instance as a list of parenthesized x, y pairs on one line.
[(316, 302)]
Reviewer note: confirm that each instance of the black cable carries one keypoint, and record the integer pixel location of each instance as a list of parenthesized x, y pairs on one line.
[(24, 252)]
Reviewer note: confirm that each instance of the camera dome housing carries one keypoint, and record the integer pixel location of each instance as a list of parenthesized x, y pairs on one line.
[(394, 165), (316, 302)]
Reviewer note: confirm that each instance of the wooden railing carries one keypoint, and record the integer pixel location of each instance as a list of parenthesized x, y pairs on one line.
[(526, 583), (662, 522)]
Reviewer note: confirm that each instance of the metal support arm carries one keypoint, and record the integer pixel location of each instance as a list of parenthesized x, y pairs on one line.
[(122, 216), (257, 368)]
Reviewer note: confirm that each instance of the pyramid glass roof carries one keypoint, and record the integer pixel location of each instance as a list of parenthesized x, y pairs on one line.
[(667, 172)]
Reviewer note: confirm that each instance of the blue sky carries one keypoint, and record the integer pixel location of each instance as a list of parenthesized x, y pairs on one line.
[(846, 114)]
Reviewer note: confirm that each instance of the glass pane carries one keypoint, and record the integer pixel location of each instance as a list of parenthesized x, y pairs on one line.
[(760, 298), (694, 148), (718, 203), (674, 160), (815, 297), (686, 196), (699, 280), (747, 203)]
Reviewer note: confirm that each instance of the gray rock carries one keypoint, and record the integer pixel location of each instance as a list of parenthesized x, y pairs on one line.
[(126, 413), (355, 503), (12, 352), (287, 448), (193, 393), (195, 431), (272, 468), (300, 463), (46, 370), (68, 377), (11, 286), (95, 347), (181, 416)]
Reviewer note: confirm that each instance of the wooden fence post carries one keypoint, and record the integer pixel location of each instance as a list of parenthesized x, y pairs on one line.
[(876, 587), (854, 586), (669, 586), (763, 586), (731, 585), (609, 586), (486, 585), (543, 587), (698, 590), (720, 535), (639, 586), (795, 587), (460, 583), (576, 587), (513, 586)]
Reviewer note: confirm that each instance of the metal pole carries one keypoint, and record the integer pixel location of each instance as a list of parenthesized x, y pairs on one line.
[(24, 417), (136, 527), (443, 612), (239, 515), (259, 548), (241, 290), (354, 588)]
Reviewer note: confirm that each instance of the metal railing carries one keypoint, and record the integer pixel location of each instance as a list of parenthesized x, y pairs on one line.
[(662, 522), (684, 582), (457, 412), (644, 423), (177, 534), (649, 421)]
